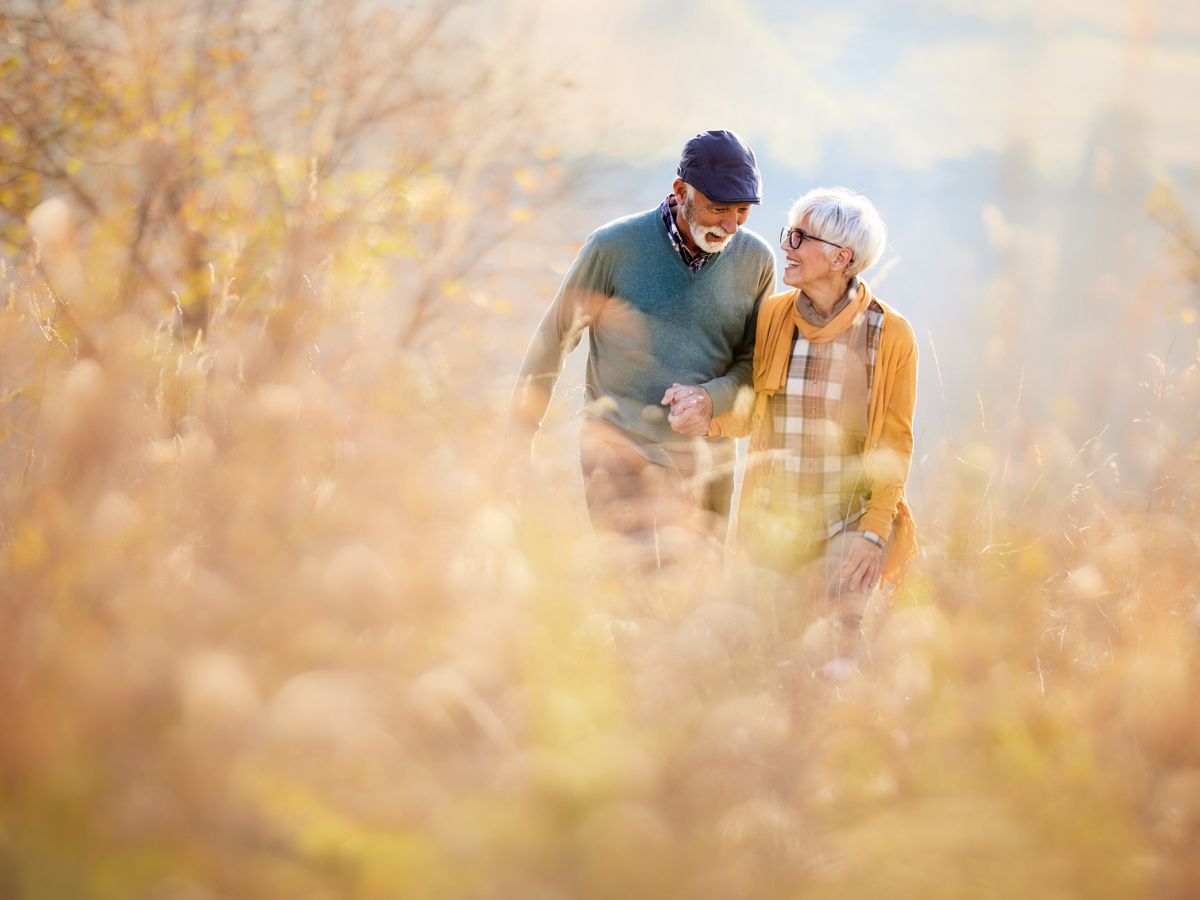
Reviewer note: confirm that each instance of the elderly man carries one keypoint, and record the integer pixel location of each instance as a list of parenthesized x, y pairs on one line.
[(668, 297)]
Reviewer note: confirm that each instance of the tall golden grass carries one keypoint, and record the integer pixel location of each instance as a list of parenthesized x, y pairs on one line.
[(269, 626)]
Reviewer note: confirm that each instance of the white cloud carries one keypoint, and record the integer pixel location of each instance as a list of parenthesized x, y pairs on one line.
[(1032, 248), (985, 95), (647, 77), (645, 81), (1169, 17), (924, 114)]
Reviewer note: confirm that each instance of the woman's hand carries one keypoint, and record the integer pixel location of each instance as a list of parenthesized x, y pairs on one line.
[(691, 409), (863, 563)]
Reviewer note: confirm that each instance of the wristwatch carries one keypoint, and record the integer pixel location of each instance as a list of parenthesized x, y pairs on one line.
[(873, 538)]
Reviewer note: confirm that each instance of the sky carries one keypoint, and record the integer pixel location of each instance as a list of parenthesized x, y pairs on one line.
[(924, 81)]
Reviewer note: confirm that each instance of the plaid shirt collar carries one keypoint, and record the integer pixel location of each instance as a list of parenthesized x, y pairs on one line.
[(694, 261)]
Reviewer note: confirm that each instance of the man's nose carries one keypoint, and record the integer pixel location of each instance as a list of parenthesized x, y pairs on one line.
[(730, 222)]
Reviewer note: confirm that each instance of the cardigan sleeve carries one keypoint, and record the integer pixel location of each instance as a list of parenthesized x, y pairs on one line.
[(772, 336), (887, 461)]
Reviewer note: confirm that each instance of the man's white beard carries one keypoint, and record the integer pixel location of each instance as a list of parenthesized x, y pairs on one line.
[(699, 231)]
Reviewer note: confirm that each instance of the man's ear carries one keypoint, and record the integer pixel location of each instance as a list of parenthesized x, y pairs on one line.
[(680, 189)]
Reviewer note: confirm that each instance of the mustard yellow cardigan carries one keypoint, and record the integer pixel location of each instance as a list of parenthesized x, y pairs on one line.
[(887, 452)]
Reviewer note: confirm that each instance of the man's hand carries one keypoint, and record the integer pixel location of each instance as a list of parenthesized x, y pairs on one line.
[(691, 409), (863, 564)]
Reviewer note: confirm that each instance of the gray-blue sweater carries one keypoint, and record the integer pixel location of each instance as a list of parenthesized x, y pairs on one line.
[(651, 322)]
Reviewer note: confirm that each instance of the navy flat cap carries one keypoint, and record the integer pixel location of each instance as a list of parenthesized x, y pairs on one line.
[(721, 166)]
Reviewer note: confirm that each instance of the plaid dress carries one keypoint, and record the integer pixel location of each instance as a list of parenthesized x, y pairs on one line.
[(815, 485)]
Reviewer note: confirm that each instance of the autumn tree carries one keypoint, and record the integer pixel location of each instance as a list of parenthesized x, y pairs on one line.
[(227, 228), (228, 153)]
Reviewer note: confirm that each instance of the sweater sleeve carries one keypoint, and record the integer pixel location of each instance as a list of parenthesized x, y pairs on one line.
[(735, 387), (887, 463), (580, 297)]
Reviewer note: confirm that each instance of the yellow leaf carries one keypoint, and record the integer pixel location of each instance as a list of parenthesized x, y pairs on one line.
[(28, 548), (526, 178), (1187, 315), (74, 165)]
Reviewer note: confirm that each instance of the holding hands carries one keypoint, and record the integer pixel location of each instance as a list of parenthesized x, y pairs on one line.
[(691, 409)]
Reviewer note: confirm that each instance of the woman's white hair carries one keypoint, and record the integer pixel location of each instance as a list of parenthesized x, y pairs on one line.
[(844, 217)]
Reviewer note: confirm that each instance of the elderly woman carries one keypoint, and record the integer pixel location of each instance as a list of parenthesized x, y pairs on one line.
[(835, 372)]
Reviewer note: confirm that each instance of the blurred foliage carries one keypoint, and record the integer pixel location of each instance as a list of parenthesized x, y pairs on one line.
[(212, 155), (1166, 207), (269, 629)]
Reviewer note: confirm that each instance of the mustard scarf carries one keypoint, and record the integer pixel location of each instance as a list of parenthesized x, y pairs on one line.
[(770, 369)]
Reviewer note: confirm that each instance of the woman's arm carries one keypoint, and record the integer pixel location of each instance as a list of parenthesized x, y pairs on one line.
[(887, 462)]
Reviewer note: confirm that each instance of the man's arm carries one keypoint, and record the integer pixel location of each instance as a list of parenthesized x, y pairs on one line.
[(693, 407), (724, 388), (579, 298)]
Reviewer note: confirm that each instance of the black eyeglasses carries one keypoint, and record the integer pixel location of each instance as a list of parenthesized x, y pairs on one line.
[(794, 237)]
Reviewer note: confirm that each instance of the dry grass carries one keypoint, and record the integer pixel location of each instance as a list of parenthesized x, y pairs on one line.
[(292, 643)]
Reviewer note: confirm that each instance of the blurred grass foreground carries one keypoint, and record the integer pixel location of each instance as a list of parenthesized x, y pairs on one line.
[(267, 629)]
